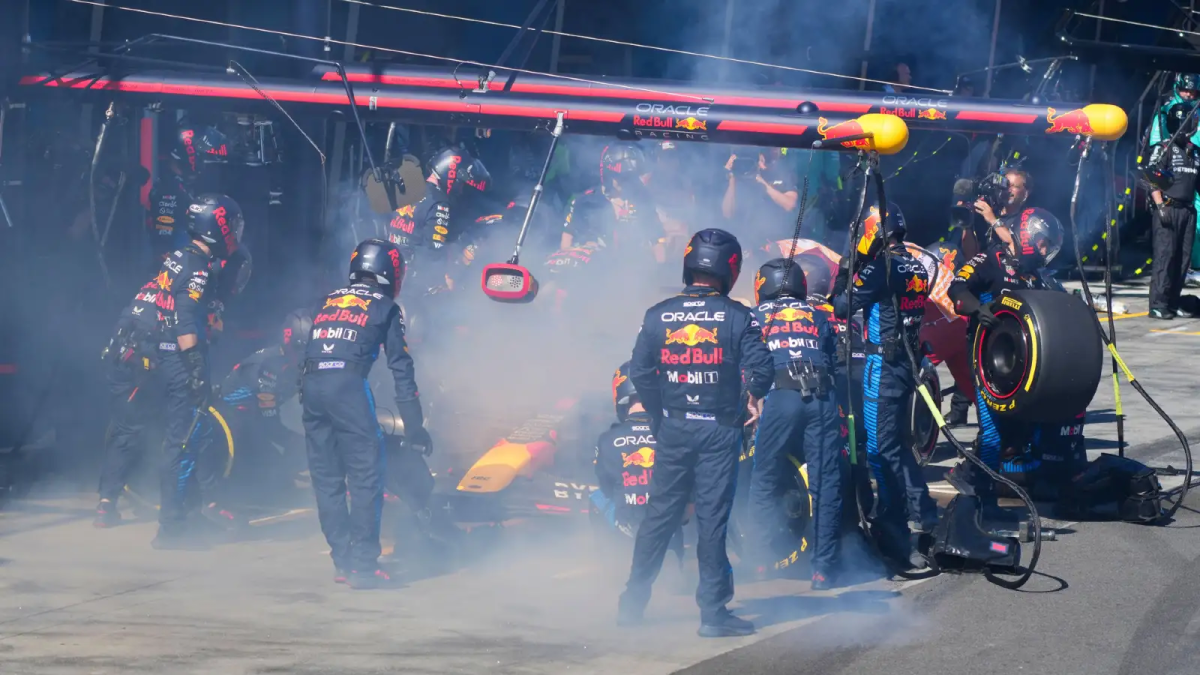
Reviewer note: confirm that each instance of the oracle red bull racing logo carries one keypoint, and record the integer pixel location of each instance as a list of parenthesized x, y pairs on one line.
[(691, 335), (842, 130), (347, 301), (1073, 122)]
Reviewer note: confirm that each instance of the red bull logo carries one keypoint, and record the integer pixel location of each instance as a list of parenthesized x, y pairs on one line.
[(790, 314), (931, 114), (643, 457), (618, 380), (691, 335), (917, 284), (347, 301), (842, 129), (406, 211), (870, 231), (1072, 122), (759, 280), (692, 124), (162, 280)]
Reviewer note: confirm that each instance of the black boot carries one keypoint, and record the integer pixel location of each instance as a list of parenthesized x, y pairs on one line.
[(724, 624), (178, 539), (107, 514), (370, 580)]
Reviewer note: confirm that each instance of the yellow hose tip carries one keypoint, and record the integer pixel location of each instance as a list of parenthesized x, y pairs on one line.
[(891, 133)]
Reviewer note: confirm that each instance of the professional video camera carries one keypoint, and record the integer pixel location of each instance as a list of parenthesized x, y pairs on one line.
[(992, 188)]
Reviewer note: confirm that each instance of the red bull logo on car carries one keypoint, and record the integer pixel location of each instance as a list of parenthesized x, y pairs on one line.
[(692, 124), (931, 114), (691, 335)]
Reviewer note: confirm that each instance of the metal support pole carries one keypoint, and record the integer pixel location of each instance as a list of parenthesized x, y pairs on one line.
[(339, 129), (727, 45), (85, 115), (862, 85), (1092, 76), (987, 91), (560, 12)]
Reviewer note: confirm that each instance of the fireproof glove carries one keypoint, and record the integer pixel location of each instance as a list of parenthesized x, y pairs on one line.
[(840, 282), (198, 387), (415, 434), (985, 317)]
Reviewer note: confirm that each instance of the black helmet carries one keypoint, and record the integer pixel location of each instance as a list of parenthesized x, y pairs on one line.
[(622, 160), (379, 261), (455, 167), (1181, 120), (870, 241), (1033, 227), (817, 276), (297, 327), (235, 274), (217, 221), (716, 253), (624, 393), (1187, 82), (779, 278)]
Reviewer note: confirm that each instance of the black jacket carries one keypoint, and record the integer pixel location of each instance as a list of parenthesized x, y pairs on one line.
[(984, 278), (424, 225), (591, 217), (691, 354), (350, 327), (1183, 162), (625, 464), (182, 291)]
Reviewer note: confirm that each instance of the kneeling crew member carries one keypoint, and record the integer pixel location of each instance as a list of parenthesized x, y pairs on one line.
[(625, 463), (1009, 264), (688, 366), (800, 417), (893, 303), (344, 440)]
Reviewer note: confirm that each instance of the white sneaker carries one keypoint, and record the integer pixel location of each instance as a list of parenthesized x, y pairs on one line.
[(1193, 279)]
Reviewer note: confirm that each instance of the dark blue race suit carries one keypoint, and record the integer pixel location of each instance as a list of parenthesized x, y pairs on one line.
[(345, 443), (887, 381), (688, 366), (800, 419)]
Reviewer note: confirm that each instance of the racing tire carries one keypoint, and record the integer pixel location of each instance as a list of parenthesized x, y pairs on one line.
[(1042, 362), (922, 431), (222, 433)]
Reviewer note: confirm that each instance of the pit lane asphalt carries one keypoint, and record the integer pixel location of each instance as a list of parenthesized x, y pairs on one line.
[(1116, 599)]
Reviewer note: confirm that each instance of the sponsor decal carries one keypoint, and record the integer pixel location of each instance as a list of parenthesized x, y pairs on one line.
[(166, 220), (673, 110), (327, 349), (915, 102), (707, 377), (623, 441), (907, 304), (348, 301), (331, 365), (440, 230), (1072, 122), (841, 130), (691, 335), (643, 457), (1011, 302), (339, 333), (168, 346), (692, 317), (694, 303), (694, 356), (792, 343), (917, 284), (636, 500)]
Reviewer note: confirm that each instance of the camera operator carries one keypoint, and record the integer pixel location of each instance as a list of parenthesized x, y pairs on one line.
[(1016, 192), (768, 195)]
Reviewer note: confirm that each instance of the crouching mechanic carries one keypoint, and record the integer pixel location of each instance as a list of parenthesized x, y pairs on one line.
[(625, 464), (345, 442), (800, 413), (1010, 263), (891, 290), (688, 366), (251, 396)]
